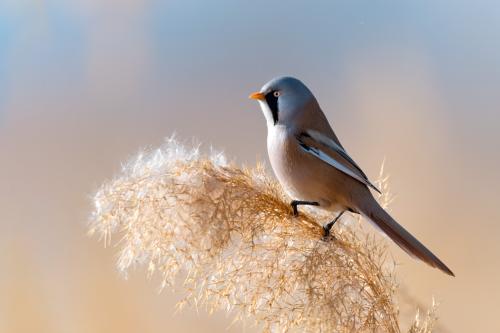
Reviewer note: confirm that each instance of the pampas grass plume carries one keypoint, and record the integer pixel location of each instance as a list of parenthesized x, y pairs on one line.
[(230, 232)]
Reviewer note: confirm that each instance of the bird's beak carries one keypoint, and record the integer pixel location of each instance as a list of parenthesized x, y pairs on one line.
[(258, 96)]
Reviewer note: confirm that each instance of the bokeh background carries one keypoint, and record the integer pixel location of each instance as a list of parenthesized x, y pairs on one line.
[(84, 84)]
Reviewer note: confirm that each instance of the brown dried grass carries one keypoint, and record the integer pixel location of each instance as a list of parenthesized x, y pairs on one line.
[(230, 231)]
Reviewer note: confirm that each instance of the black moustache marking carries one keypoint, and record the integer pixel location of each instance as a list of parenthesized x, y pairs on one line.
[(272, 102)]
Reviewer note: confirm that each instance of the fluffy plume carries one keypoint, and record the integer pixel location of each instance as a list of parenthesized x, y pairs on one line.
[(230, 232)]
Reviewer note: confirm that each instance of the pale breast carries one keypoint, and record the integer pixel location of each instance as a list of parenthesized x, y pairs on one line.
[(302, 176)]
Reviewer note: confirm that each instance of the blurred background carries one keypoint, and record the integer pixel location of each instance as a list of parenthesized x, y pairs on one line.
[(84, 84)]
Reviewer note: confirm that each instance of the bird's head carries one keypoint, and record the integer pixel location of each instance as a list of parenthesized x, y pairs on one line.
[(283, 100)]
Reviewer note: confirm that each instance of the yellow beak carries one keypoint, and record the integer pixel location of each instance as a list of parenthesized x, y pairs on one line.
[(257, 95)]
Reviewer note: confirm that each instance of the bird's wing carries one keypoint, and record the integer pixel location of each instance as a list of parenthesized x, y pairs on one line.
[(327, 150)]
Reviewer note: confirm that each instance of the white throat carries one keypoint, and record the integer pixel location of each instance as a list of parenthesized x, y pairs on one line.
[(267, 114)]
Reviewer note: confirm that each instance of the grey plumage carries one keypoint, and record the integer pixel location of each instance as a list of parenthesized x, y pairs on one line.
[(312, 165)]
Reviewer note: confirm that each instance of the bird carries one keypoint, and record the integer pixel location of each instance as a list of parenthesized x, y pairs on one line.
[(315, 169)]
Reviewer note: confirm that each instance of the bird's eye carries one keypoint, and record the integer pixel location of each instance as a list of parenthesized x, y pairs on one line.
[(276, 94)]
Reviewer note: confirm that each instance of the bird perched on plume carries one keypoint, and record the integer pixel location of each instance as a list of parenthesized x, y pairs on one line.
[(315, 169)]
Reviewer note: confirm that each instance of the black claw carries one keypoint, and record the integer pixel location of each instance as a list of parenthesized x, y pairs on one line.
[(326, 232), (327, 235), (296, 203), (294, 207), (328, 227)]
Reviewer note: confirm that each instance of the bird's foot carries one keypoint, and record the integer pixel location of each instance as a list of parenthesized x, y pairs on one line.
[(327, 235), (328, 227), (296, 203)]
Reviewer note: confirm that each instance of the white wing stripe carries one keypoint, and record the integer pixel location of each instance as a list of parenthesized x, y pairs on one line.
[(327, 159), (333, 162), (333, 145)]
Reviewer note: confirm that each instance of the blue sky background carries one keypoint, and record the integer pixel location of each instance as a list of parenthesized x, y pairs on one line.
[(189, 45), (86, 83)]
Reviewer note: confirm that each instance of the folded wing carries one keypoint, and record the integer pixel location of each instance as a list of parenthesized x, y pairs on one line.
[(327, 150)]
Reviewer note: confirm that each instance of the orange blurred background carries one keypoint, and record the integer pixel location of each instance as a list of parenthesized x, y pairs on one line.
[(86, 84)]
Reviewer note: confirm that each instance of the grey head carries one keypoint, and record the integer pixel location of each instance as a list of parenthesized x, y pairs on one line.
[(286, 101)]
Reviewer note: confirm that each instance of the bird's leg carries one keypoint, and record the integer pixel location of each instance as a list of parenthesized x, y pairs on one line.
[(296, 203), (328, 227)]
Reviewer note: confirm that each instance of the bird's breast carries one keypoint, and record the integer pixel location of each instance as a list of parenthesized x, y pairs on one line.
[(302, 176), (281, 154)]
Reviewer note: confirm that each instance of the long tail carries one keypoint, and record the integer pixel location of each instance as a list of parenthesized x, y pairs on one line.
[(400, 236)]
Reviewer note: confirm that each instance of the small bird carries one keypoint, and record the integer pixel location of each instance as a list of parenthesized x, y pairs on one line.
[(314, 168)]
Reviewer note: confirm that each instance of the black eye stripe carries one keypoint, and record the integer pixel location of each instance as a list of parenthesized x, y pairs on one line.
[(272, 102)]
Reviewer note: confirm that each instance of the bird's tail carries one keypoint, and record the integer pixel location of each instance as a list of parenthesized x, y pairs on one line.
[(400, 236)]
